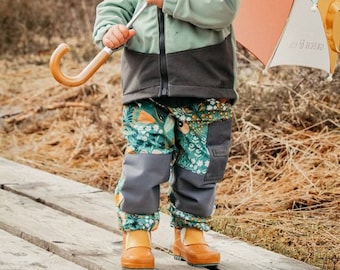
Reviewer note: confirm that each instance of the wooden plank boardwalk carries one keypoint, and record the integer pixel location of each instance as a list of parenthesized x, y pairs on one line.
[(49, 222)]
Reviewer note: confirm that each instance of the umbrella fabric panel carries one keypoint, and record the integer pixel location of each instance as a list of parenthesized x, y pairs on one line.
[(259, 25), (325, 7), (303, 42)]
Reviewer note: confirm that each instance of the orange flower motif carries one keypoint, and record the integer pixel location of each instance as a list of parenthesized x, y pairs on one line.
[(146, 118)]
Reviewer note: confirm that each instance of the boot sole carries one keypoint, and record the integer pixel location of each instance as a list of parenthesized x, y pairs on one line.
[(179, 258), (138, 268), (124, 268), (142, 267)]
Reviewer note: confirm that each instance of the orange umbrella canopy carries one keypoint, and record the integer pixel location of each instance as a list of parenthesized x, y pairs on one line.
[(329, 10), (259, 25), (291, 32)]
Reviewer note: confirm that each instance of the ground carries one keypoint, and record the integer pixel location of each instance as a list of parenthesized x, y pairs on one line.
[(281, 188)]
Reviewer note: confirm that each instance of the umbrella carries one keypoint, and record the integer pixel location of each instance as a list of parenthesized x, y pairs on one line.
[(291, 32)]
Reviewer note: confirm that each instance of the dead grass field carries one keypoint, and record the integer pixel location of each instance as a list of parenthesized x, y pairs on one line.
[(282, 185)]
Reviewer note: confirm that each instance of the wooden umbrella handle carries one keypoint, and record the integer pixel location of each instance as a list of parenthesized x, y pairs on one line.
[(83, 76), (332, 29), (91, 68)]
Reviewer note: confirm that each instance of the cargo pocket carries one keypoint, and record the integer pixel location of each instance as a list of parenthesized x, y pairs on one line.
[(218, 143)]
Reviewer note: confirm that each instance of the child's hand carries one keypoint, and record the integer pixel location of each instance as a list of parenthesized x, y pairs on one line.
[(158, 3), (117, 36)]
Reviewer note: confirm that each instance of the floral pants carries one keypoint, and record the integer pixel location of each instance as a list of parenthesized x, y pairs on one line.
[(178, 127)]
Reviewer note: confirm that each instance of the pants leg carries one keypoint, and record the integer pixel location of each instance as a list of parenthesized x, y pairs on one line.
[(199, 134), (150, 142), (203, 140)]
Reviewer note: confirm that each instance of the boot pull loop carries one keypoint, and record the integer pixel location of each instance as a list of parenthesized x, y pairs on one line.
[(138, 238), (192, 236)]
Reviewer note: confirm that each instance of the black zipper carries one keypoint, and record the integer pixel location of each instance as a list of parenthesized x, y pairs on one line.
[(162, 56)]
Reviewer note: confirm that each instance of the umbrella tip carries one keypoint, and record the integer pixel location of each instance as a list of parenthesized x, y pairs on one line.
[(314, 7), (330, 77)]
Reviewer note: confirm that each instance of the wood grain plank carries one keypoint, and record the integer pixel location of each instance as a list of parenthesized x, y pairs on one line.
[(16, 253), (68, 237), (96, 207)]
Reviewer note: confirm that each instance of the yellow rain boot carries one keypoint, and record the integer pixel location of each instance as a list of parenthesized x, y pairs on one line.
[(190, 246), (137, 251)]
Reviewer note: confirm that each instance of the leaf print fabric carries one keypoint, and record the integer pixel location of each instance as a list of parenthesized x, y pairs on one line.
[(158, 127)]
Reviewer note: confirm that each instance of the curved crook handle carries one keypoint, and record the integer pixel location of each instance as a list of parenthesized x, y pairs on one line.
[(333, 35), (91, 68), (83, 76)]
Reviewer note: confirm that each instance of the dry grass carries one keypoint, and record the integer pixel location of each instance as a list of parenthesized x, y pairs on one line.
[(283, 193), (72, 132), (282, 186)]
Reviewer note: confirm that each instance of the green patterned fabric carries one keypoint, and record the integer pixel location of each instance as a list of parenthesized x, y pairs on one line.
[(161, 127)]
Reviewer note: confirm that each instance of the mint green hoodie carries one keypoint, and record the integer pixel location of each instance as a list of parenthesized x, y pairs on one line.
[(187, 49)]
